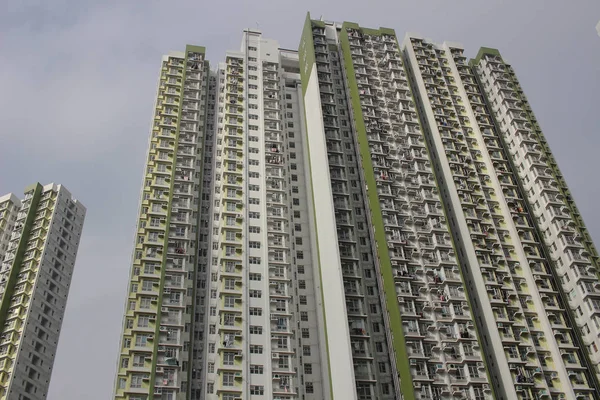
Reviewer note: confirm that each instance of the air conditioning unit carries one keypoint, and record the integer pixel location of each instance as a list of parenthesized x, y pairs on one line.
[(159, 370), (274, 355), (164, 309), (163, 328)]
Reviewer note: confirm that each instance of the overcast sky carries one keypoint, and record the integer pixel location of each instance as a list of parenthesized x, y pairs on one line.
[(77, 81)]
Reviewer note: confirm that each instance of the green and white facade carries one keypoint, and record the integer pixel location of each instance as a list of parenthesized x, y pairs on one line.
[(412, 310), (360, 219), (158, 350), (223, 300), (44, 230)]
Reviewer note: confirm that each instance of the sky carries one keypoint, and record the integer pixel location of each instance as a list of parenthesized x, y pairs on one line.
[(78, 79)]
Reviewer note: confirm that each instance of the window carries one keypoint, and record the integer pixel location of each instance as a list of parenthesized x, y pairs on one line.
[(136, 380), (254, 200), (145, 303), (228, 358), (252, 86), (385, 388), (303, 316), (255, 276), (141, 340), (257, 294), (253, 188), (257, 390), (308, 369), (228, 379), (305, 333), (382, 367), (256, 349), (229, 302), (300, 255), (254, 229), (254, 245), (143, 321), (254, 260), (256, 369), (301, 269), (256, 311), (309, 387), (303, 300), (301, 284), (306, 350), (252, 48), (256, 330)]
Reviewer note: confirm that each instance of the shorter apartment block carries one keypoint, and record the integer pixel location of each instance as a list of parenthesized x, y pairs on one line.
[(44, 232)]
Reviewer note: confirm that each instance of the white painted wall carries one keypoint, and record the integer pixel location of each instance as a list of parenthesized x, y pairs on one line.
[(334, 306)]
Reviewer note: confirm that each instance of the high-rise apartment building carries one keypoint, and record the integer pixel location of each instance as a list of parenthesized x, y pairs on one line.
[(222, 301), (361, 219), (44, 230), (394, 239), (515, 226), (158, 346)]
